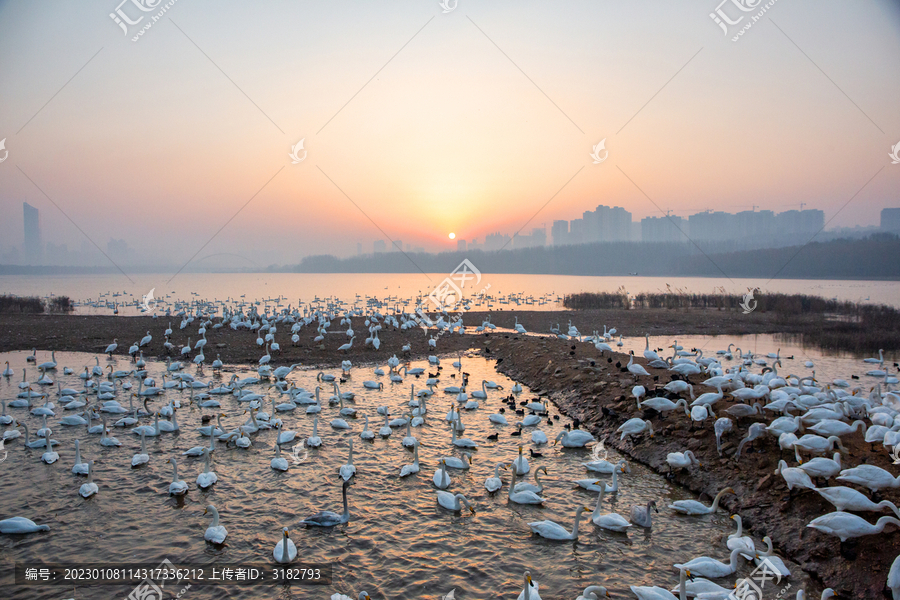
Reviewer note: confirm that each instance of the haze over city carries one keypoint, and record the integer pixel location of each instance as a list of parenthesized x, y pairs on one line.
[(417, 124)]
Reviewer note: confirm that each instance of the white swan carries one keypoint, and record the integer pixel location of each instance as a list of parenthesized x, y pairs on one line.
[(845, 498), (441, 478), (327, 518), (530, 592), (21, 525), (407, 470), (314, 441), (773, 560), (645, 592), (744, 543), (348, 470), (641, 515), (633, 427), (522, 497), (207, 478), (177, 487), (794, 477), (452, 501), (493, 484), (141, 458), (367, 434), (712, 568), (555, 531), (463, 442), (574, 439), (521, 464), (89, 488), (285, 550), (279, 463), (49, 457), (870, 476), (215, 533), (610, 521), (537, 487), (846, 525), (695, 507), (80, 468)]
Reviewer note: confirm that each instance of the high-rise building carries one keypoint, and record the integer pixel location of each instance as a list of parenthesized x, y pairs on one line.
[(663, 229), (496, 241), (34, 245), (379, 246), (460, 245), (398, 246), (559, 233)]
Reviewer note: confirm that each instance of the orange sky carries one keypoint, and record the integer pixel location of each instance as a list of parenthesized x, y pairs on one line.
[(471, 127)]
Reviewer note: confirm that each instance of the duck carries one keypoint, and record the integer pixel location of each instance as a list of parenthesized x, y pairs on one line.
[(610, 521), (215, 533), (285, 551), (845, 525), (695, 507), (554, 531), (641, 515)]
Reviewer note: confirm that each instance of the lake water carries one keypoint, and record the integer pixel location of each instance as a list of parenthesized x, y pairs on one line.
[(399, 542), (504, 291)]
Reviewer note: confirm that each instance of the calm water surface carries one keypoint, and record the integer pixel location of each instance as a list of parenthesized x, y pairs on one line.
[(399, 543), (506, 291)]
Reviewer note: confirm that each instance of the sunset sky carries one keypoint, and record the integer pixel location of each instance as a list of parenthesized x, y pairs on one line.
[(468, 121)]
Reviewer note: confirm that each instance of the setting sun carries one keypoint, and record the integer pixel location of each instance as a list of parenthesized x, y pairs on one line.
[(452, 236)]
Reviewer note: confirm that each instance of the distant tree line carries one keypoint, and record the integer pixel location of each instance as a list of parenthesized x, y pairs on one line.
[(874, 257)]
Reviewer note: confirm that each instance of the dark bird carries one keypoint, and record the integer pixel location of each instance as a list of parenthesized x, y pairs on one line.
[(517, 432), (493, 437), (535, 454)]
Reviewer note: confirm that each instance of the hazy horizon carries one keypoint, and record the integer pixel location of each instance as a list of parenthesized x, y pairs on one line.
[(419, 123)]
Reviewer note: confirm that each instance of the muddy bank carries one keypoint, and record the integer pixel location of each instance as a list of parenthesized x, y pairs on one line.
[(600, 396)]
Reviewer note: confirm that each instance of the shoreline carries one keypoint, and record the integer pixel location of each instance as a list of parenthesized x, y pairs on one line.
[(583, 385)]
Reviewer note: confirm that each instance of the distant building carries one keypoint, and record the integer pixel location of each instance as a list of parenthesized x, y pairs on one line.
[(34, 244), (397, 246), (559, 233), (118, 248), (460, 245), (379, 246), (663, 229), (890, 219), (496, 241)]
